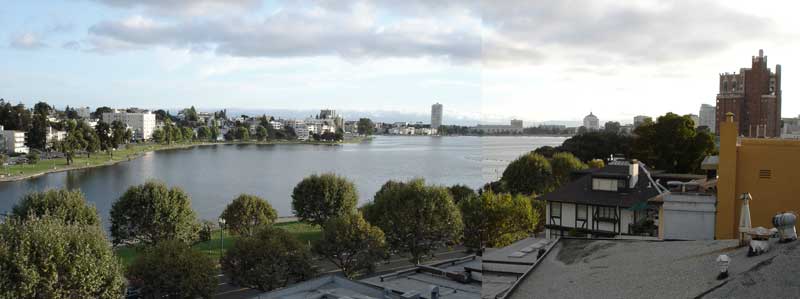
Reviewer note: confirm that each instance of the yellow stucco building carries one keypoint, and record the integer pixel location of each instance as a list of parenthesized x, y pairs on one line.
[(768, 169)]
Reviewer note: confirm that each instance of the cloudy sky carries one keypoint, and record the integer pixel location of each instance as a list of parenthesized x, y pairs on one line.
[(491, 60)]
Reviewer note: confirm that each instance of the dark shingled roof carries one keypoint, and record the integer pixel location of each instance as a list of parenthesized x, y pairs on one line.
[(580, 189)]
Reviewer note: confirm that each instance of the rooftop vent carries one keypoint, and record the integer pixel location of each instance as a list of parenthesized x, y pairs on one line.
[(785, 223)]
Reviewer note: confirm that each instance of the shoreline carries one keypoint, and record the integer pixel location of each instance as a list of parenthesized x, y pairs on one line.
[(131, 157)]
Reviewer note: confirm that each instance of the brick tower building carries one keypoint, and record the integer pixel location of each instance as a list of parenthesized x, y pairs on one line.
[(754, 97)]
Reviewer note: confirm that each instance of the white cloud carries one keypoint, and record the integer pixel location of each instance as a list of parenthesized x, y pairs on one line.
[(27, 41)]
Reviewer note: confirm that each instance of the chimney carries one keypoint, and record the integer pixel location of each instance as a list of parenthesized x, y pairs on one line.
[(633, 173)]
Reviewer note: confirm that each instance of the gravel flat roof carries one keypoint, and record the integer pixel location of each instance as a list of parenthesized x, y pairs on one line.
[(585, 268)]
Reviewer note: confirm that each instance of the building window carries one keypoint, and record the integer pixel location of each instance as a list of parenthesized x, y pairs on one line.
[(555, 213), (765, 174), (581, 215), (605, 184), (606, 214)]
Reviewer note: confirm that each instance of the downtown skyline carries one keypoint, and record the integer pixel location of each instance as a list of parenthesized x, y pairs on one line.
[(483, 63)]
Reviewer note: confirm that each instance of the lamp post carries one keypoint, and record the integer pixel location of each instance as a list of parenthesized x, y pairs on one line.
[(221, 239)]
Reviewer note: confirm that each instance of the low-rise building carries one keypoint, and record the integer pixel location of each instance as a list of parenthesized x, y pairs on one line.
[(142, 123), (618, 199), (15, 142)]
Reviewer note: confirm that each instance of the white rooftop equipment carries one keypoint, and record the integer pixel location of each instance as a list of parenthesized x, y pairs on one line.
[(785, 223)]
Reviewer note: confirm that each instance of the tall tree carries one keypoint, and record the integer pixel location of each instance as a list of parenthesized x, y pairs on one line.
[(261, 133), (672, 144), (120, 133), (352, 244), (46, 258), (597, 145), (151, 213), (172, 269), (270, 259), (37, 135), (317, 198), (247, 213), (98, 113), (365, 126), (416, 219), (612, 127), (563, 164), (461, 192), (103, 132), (497, 220), (529, 174), (66, 205)]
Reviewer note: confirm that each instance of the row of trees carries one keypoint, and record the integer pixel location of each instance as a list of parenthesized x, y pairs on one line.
[(671, 143)]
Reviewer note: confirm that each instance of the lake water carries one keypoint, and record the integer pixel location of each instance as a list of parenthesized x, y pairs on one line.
[(214, 175)]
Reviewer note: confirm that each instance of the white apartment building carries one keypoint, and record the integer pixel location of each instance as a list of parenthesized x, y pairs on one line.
[(300, 130), (276, 125), (14, 142), (83, 112), (708, 117), (436, 115), (54, 135), (141, 123), (591, 122)]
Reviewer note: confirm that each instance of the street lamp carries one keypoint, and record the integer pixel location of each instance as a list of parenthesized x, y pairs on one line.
[(221, 239)]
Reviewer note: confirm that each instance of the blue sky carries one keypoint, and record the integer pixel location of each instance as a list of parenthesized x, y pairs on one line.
[(484, 60)]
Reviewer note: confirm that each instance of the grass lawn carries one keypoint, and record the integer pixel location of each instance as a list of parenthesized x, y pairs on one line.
[(80, 161), (302, 231)]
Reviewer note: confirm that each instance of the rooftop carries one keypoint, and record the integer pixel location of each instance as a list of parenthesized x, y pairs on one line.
[(580, 268), (580, 189)]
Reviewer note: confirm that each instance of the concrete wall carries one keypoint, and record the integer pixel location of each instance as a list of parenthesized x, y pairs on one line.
[(688, 216)]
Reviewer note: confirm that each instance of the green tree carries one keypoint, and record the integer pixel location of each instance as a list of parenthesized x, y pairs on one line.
[(612, 127), (461, 192), (352, 244), (416, 219), (98, 113), (365, 126), (103, 131), (563, 164), (261, 133), (151, 213), (596, 163), (188, 134), (672, 144), (203, 133), (120, 133), (269, 259), (46, 258), (172, 269), (33, 158), (67, 205), (317, 198), (546, 151), (529, 174), (497, 220), (246, 213), (159, 136), (597, 145), (37, 135)]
